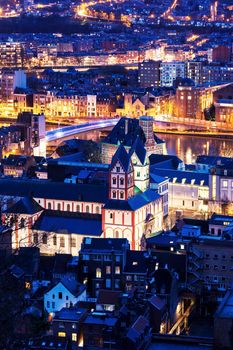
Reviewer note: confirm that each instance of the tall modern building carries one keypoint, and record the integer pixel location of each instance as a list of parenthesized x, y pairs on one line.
[(194, 71), (170, 71), (149, 73), (9, 81), (11, 54)]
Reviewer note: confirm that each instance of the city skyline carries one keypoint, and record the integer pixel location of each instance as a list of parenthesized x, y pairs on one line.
[(116, 174)]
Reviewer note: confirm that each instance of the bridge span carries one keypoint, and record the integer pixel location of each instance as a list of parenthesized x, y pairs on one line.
[(72, 130)]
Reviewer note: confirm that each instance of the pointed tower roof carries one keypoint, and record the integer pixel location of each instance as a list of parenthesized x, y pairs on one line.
[(123, 157), (139, 149), (26, 205)]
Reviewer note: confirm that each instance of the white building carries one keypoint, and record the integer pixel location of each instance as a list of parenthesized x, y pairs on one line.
[(170, 71), (66, 293)]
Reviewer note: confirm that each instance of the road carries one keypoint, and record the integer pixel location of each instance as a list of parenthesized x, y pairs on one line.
[(72, 130)]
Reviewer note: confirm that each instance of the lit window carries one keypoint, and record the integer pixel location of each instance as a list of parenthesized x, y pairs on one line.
[(172, 249), (98, 272), (108, 269), (62, 334), (225, 183), (117, 270), (182, 246), (74, 336)]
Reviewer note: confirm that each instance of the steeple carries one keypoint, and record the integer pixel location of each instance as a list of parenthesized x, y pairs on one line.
[(121, 176), (146, 124), (140, 160)]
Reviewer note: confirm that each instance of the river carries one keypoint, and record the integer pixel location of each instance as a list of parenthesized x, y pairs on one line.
[(184, 146), (189, 147)]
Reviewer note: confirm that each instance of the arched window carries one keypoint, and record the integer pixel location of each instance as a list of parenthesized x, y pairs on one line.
[(97, 210), (122, 195), (87, 209), (114, 194), (59, 206), (35, 238), (98, 273), (62, 242), (68, 207), (122, 181), (116, 234), (114, 181), (44, 238), (78, 208), (49, 206), (54, 240)]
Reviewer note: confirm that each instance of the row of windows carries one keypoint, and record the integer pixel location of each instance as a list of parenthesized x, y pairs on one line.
[(122, 195), (63, 335), (108, 284), (216, 256), (98, 257), (78, 208), (54, 239), (98, 273), (226, 184)]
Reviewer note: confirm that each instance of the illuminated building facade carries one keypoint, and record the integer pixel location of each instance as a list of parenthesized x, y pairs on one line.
[(11, 54), (170, 71), (194, 71), (149, 73)]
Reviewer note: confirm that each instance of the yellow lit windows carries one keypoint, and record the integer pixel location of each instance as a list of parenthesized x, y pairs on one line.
[(74, 336), (62, 334)]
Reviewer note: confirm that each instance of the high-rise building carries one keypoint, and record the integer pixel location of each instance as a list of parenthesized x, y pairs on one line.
[(194, 71), (170, 71), (11, 54), (186, 102), (149, 73), (9, 81)]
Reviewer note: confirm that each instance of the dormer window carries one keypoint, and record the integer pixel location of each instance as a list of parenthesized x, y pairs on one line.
[(118, 169)]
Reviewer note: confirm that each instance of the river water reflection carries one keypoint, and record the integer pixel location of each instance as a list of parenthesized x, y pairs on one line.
[(189, 147)]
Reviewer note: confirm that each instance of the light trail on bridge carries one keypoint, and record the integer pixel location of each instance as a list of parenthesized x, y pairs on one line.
[(72, 130)]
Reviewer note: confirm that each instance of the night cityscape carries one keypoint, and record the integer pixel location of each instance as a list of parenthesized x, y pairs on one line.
[(116, 174)]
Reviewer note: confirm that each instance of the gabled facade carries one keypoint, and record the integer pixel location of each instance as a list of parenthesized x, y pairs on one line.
[(140, 161), (128, 214), (121, 184), (65, 293)]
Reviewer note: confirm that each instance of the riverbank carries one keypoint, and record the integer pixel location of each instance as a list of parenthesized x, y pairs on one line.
[(196, 133)]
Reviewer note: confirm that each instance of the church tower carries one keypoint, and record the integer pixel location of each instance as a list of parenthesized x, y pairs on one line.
[(146, 124), (141, 165), (121, 176)]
